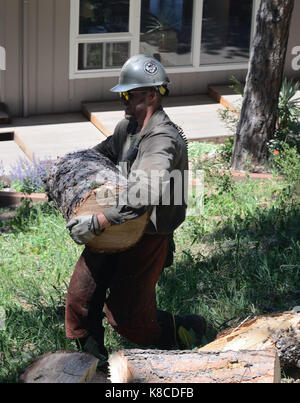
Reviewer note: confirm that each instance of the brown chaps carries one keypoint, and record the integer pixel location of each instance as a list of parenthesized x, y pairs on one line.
[(124, 285)]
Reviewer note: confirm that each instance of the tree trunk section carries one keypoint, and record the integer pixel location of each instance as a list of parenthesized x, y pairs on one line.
[(263, 84), (61, 367), (281, 331), (154, 366), (86, 182)]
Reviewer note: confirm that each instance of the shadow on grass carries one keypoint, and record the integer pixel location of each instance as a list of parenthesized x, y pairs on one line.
[(252, 268), (22, 218), (34, 330), (29, 333)]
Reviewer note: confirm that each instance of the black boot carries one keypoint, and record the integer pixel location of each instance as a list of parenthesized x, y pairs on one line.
[(91, 346), (180, 332)]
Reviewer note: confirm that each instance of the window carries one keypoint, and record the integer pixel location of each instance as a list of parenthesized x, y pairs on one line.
[(166, 31), (102, 16), (226, 29), (185, 35), (103, 35), (98, 56)]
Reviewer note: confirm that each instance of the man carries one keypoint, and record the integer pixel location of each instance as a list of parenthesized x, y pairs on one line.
[(146, 141)]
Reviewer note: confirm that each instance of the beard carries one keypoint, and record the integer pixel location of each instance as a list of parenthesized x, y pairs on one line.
[(129, 115), (136, 112)]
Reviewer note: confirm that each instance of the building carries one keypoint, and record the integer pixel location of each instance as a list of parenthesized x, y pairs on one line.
[(57, 53)]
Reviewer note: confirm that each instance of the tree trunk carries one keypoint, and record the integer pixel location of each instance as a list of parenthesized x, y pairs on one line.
[(86, 182), (153, 366), (61, 367), (263, 83), (281, 331)]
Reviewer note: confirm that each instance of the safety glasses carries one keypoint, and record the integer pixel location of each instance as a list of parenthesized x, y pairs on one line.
[(127, 95)]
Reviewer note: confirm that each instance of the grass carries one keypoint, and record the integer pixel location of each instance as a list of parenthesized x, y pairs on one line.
[(37, 257), (239, 258)]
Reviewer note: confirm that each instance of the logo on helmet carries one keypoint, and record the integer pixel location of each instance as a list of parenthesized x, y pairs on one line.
[(150, 68)]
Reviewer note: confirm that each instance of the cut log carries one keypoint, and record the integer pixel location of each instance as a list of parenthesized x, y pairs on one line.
[(281, 331), (86, 182), (61, 367), (153, 366)]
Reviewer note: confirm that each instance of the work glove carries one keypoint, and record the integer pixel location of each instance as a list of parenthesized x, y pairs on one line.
[(83, 229)]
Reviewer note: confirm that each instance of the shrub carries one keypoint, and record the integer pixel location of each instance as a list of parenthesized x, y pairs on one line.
[(226, 150), (287, 162), (288, 116), (3, 182), (288, 127), (27, 176)]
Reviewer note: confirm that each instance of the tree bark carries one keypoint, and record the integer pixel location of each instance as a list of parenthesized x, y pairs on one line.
[(154, 366), (86, 182), (263, 83)]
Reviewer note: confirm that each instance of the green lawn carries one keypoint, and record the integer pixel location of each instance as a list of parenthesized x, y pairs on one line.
[(239, 258)]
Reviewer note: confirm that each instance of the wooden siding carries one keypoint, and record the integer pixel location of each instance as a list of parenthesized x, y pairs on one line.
[(294, 40), (35, 34), (10, 39)]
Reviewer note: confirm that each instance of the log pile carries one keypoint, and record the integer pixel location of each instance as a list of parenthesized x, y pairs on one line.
[(254, 352), (86, 182)]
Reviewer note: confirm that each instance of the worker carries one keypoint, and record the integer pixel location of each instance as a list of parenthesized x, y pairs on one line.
[(123, 284)]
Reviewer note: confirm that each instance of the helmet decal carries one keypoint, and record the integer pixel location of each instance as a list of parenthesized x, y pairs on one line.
[(150, 68)]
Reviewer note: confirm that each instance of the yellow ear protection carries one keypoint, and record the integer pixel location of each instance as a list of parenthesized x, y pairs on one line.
[(163, 90)]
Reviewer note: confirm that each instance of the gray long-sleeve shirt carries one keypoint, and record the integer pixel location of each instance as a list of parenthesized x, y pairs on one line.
[(158, 177)]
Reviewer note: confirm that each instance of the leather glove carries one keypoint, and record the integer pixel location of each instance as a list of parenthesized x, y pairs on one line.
[(83, 229)]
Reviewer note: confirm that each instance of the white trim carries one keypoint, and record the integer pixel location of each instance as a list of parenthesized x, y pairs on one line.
[(197, 32), (2, 58), (73, 51), (133, 37), (119, 37), (134, 25)]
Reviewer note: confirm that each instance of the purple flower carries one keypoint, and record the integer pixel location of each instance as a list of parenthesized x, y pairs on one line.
[(2, 170), (28, 175)]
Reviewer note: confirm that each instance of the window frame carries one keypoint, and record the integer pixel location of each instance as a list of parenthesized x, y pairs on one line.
[(133, 37)]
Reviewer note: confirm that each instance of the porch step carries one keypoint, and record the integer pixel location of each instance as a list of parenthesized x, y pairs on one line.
[(227, 97)]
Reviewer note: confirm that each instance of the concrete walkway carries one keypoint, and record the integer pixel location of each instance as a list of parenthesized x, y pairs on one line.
[(197, 115), (51, 136), (47, 137)]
